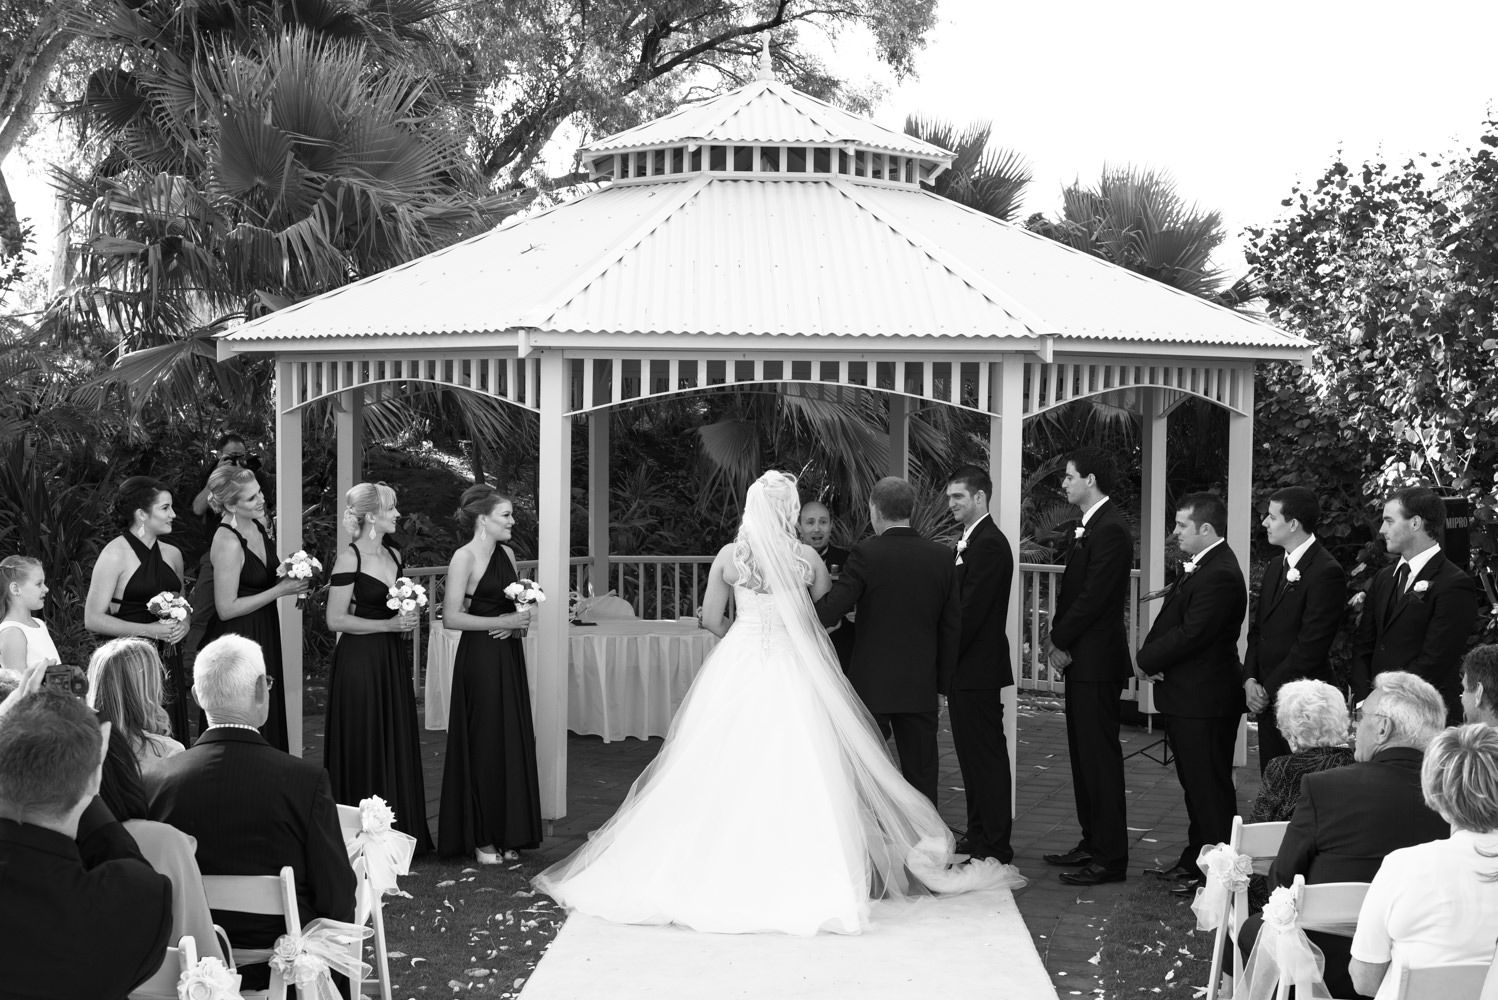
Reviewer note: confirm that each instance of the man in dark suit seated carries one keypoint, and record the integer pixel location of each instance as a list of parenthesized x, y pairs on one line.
[(1480, 685), (1349, 818), (81, 912), (252, 808), (909, 624), (1419, 612), (814, 525)]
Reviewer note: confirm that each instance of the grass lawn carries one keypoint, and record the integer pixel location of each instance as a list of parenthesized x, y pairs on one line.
[(467, 930), (1150, 946)]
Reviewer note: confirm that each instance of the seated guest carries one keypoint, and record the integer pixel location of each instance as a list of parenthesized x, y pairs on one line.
[(1480, 685), (1312, 717), (81, 913), (124, 687), (252, 808), (1349, 818), (1437, 903)]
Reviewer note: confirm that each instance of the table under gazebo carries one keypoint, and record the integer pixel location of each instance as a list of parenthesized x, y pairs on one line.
[(756, 239)]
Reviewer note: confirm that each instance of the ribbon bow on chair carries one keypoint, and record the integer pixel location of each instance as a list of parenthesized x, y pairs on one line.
[(1283, 951), (1226, 872), (208, 979), (385, 851), (308, 960)]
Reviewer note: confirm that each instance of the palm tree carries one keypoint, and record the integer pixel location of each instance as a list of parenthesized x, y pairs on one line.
[(989, 179)]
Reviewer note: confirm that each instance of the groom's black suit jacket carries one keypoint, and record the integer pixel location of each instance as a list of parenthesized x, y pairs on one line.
[(1194, 640), (1090, 612), (1422, 632), (984, 580), (1291, 633), (909, 619)]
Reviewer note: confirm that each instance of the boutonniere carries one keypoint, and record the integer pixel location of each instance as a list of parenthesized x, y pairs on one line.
[(1292, 576), (1079, 533), (961, 548), (1189, 567), (1419, 589)]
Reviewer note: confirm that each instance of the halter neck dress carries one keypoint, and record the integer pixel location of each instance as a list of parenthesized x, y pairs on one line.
[(263, 625), (373, 746), (150, 578), (491, 791)]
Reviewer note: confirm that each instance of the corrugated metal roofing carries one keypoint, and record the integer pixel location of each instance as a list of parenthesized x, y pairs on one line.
[(728, 256), (766, 111)]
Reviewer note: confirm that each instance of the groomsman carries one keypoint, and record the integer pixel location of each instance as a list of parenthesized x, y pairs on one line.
[(975, 699), (1418, 614), (1089, 641), (1301, 601), (1191, 653), (909, 622), (814, 525)]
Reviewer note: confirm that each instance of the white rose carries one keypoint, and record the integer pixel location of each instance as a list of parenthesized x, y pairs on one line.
[(1421, 586), (408, 605), (394, 604), (1293, 575), (1079, 532), (1190, 567), (375, 815), (538, 597), (1280, 912)]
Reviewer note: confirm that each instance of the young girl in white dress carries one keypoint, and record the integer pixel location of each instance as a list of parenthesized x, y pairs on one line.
[(24, 639), (773, 804)]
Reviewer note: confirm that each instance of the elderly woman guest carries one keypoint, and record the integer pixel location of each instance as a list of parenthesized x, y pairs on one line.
[(1312, 717), (124, 687), (1437, 903), (372, 745), (131, 570), (245, 586)]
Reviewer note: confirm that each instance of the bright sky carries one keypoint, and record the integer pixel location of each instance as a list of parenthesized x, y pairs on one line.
[(1237, 101)]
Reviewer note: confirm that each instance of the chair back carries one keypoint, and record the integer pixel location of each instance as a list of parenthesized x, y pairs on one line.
[(267, 894), (173, 853), (351, 824), (163, 984), (1329, 907), (1447, 982), (1260, 841)]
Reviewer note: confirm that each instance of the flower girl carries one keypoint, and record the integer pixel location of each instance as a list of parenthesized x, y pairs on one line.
[(24, 639)]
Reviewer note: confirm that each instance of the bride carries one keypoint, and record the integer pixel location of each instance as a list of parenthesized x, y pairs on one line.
[(773, 804)]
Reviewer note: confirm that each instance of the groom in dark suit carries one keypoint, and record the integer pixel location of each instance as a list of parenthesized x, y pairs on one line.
[(975, 694), (1419, 613), (1088, 640), (909, 623), (1301, 601), (1191, 653)]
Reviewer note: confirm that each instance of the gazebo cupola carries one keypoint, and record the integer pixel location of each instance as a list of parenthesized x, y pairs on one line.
[(761, 129)]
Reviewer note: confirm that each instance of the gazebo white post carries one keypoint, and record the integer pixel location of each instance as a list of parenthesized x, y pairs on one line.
[(289, 538), (1152, 530), (1240, 503), (899, 436), (598, 500), (1006, 452), (553, 510), (349, 423)]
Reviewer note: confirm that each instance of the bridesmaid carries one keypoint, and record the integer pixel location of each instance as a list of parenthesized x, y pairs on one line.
[(131, 570), (491, 794), (372, 745), (245, 586)]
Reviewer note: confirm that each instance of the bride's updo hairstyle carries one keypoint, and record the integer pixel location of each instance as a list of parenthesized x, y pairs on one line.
[(364, 501), (135, 493), (225, 484), (770, 511), (476, 501)]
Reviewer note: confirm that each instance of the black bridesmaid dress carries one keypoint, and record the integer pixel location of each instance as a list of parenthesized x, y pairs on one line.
[(491, 793), (262, 625), (150, 578), (372, 744)]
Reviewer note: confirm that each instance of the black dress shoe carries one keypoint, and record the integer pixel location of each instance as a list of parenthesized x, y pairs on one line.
[(1174, 874), (1078, 855), (1187, 889), (1092, 875)]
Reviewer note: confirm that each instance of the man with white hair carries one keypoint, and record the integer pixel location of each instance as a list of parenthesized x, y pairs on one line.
[(252, 808)]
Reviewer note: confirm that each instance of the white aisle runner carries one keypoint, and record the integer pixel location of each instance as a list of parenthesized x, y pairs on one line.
[(969, 946)]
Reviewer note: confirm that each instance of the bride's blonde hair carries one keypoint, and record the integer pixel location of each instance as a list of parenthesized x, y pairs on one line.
[(772, 505)]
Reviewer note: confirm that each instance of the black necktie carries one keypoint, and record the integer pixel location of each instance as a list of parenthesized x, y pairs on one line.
[(1401, 580)]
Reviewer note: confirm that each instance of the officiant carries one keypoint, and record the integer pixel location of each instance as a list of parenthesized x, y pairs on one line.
[(814, 525)]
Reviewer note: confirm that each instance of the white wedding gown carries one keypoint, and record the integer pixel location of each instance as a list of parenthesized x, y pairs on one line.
[(772, 806)]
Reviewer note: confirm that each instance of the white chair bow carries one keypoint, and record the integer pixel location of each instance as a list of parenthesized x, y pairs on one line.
[(309, 959), (385, 851), (1283, 956), (1226, 872), (207, 979)]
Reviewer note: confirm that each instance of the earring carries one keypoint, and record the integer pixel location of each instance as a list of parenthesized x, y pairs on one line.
[(373, 534), (483, 533)]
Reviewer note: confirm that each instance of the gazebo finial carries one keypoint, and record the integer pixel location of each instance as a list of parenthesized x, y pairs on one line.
[(766, 67)]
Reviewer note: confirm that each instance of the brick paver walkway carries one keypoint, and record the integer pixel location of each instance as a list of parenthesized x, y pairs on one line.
[(1065, 922)]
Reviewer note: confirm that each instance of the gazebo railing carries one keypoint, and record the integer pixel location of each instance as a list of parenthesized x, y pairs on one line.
[(673, 586)]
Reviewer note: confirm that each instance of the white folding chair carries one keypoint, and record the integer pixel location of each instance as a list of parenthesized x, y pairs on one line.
[(351, 824), (163, 985), (1260, 841), (1447, 982), (268, 894), (1331, 907)]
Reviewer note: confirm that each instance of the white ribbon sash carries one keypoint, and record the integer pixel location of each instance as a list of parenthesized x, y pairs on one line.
[(308, 960), (385, 851), (1283, 951), (1226, 872)]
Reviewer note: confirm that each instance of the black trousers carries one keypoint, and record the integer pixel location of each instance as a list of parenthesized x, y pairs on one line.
[(915, 742), (1204, 765), (1097, 774), (1271, 743), (983, 756)]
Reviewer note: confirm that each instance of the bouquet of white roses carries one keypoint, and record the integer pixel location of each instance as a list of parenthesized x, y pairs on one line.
[(170, 606), (406, 595), (300, 566), (525, 593)]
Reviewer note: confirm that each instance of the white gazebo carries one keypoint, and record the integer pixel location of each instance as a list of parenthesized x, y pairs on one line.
[(755, 238)]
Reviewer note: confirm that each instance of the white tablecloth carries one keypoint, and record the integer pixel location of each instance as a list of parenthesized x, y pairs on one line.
[(624, 678)]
